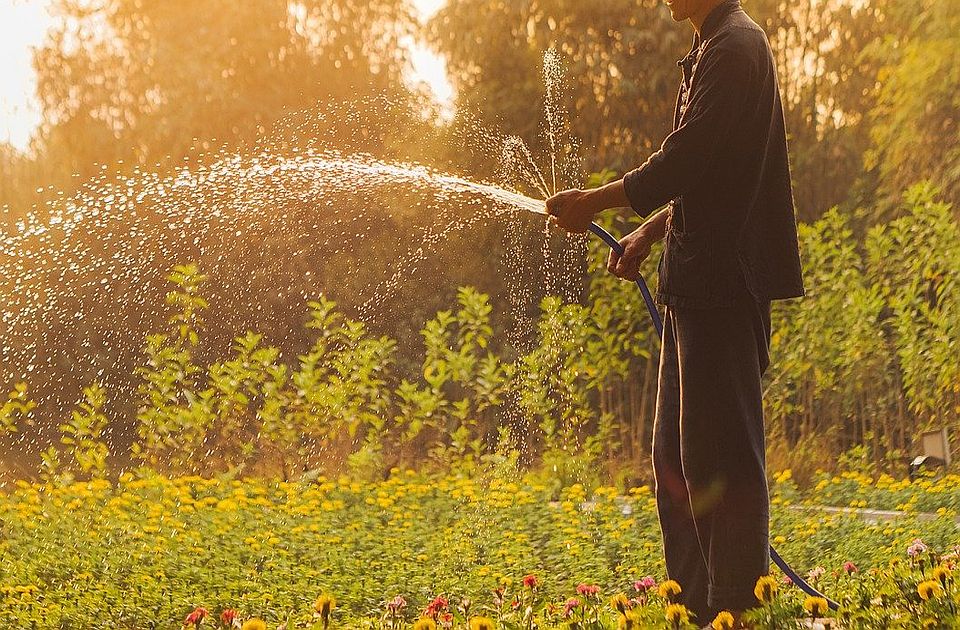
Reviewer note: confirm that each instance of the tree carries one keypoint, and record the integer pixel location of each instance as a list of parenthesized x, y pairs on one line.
[(153, 82), (914, 124), (619, 57)]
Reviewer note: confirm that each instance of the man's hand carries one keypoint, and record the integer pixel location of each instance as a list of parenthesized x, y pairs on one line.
[(637, 246), (573, 210)]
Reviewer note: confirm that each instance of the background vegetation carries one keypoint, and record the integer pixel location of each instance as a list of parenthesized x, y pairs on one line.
[(863, 363), (860, 365)]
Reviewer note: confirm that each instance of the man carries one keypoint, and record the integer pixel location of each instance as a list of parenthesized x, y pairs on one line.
[(731, 248)]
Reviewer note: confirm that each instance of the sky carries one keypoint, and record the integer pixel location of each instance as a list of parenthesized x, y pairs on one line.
[(24, 22)]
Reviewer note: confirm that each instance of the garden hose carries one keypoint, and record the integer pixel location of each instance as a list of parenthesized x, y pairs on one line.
[(658, 324)]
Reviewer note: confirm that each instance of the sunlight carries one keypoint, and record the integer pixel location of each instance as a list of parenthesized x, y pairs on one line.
[(22, 28)]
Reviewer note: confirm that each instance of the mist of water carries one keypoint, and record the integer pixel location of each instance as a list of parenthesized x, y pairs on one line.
[(85, 276)]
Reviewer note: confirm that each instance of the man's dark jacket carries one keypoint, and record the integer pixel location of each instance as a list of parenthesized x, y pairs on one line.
[(725, 171)]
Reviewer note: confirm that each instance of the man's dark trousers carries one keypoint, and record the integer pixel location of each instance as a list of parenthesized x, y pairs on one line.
[(708, 453)]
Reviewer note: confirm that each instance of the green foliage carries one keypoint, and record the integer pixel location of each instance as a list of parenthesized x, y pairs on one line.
[(83, 438), (15, 410), (558, 379), (879, 327), (175, 413), (465, 384), (187, 302), (860, 365), (618, 55), (915, 262), (915, 130)]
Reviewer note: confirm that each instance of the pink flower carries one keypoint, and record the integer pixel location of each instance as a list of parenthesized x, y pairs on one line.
[(530, 581), (916, 548), (569, 607), (850, 567), (588, 590), (816, 572), (194, 618), (645, 584), (396, 604), (787, 580)]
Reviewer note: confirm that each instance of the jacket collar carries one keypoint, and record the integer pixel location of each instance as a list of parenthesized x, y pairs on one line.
[(717, 16), (710, 26)]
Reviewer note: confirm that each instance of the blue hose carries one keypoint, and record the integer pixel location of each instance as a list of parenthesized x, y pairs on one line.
[(658, 324)]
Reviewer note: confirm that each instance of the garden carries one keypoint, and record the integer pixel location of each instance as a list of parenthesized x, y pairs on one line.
[(426, 551), (285, 342), (479, 491)]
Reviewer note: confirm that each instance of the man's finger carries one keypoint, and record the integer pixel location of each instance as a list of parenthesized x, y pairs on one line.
[(612, 261), (629, 267), (553, 207), (626, 264)]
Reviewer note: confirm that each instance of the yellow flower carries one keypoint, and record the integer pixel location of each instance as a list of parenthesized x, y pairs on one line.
[(677, 614), (816, 606), (481, 623), (620, 603), (941, 573), (254, 624), (766, 589), (324, 605), (669, 590), (928, 589), (723, 621), (425, 624), (629, 621)]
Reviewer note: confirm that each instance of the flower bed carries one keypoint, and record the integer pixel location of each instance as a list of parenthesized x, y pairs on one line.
[(148, 552)]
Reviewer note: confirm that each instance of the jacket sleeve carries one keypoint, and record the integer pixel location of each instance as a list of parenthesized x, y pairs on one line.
[(717, 96)]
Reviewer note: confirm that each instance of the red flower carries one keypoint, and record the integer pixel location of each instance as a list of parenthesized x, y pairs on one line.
[(569, 606), (530, 581), (436, 607), (227, 617), (194, 618), (849, 567)]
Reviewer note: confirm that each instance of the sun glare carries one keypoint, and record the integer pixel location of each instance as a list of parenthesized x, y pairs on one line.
[(23, 25)]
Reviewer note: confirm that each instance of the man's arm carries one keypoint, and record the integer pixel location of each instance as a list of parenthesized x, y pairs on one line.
[(716, 101), (636, 247), (573, 210)]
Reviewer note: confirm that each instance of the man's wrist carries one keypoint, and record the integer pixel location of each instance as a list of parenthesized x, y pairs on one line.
[(658, 223), (611, 195)]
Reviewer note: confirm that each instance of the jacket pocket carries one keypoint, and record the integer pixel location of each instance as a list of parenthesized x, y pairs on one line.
[(689, 264)]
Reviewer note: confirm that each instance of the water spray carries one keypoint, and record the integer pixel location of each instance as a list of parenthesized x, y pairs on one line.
[(613, 244)]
